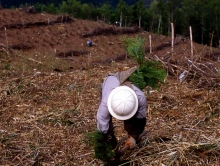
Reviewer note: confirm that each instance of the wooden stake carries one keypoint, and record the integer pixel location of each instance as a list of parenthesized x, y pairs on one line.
[(172, 29), (211, 35), (191, 40), (150, 44), (139, 21), (120, 18)]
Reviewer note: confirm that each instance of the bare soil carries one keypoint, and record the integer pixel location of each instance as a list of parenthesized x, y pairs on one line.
[(49, 93)]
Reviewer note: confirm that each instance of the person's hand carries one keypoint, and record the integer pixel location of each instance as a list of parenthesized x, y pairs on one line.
[(131, 142), (110, 139)]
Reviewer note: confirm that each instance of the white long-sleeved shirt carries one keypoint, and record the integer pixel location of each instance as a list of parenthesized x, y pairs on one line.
[(103, 115)]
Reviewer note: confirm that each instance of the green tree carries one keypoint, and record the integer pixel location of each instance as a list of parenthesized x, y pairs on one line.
[(71, 7), (150, 72), (120, 10), (175, 15), (191, 17), (50, 8), (74, 8), (38, 7), (64, 8), (105, 12), (128, 16), (172, 7), (196, 12), (162, 17), (214, 19), (203, 11), (154, 16), (86, 11), (141, 10)]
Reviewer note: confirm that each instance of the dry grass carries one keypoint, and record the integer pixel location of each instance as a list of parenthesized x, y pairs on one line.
[(45, 113)]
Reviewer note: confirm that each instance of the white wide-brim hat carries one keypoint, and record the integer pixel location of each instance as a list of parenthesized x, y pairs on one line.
[(122, 103)]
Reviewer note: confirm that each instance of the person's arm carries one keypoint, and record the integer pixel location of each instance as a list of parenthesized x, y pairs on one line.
[(104, 118), (135, 126), (103, 115)]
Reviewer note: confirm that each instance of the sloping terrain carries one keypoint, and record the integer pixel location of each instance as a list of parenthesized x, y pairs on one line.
[(49, 93)]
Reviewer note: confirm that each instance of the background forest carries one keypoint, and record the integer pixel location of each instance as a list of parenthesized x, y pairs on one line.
[(151, 15)]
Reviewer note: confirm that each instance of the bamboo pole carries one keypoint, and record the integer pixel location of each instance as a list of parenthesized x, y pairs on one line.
[(191, 40)]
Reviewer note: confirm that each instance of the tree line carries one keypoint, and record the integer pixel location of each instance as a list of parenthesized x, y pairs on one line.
[(202, 15)]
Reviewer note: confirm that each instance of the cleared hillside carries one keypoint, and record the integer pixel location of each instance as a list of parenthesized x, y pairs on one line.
[(49, 93)]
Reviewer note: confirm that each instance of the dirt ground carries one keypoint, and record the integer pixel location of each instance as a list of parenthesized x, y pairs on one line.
[(49, 93)]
